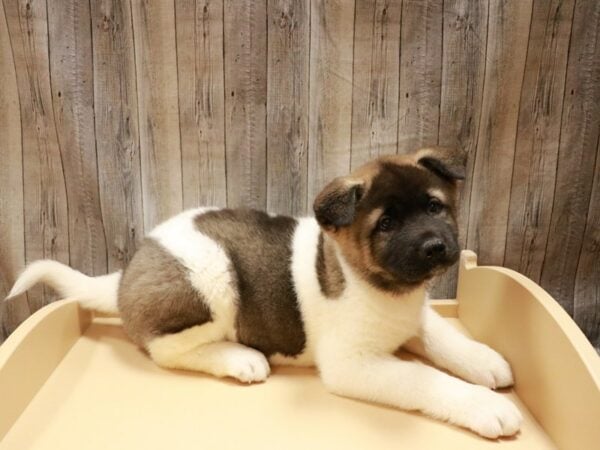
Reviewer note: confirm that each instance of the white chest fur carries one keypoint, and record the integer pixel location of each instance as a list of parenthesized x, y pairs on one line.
[(362, 318)]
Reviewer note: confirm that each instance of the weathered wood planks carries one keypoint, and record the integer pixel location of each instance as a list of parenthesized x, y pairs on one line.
[(287, 105), (330, 113), (508, 30), (536, 150), (420, 74), (158, 110), (576, 158), (376, 65), (115, 114), (117, 130), (46, 231), (12, 248), (245, 50), (72, 87), (463, 69), (201, 101), (586, 301)]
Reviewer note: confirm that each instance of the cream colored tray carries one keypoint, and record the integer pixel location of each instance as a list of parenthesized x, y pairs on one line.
[(72, 381)]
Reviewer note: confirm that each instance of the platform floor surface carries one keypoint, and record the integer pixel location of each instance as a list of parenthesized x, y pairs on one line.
[(106, 394)]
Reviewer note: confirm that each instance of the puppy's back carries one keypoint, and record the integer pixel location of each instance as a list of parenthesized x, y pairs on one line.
[(230, 266)]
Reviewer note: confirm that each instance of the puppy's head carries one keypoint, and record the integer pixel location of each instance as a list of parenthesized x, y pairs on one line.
[(394, 219)]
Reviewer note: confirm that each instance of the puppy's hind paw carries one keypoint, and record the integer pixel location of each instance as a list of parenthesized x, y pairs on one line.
[(248, 366)]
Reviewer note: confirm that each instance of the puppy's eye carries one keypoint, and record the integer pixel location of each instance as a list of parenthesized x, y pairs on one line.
[(385, 223), (434, 206)]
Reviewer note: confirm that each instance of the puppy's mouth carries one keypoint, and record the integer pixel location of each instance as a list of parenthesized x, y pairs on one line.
[(422, 271), (422, 277), (438, 270)]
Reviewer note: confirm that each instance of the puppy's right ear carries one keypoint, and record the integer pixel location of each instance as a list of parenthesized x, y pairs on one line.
[(335, 206)]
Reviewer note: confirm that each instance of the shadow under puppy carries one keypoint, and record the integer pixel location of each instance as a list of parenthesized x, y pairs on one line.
[(228, 291)]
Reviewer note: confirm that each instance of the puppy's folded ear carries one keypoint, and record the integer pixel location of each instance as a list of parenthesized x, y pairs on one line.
[(447, 163), (335, 206)]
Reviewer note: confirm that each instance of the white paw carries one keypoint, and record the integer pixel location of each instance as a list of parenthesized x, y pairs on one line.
[(247, 366), (486, 367), (487, 413)]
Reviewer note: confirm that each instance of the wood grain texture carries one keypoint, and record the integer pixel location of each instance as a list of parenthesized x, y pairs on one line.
[(330, 112), (586, 299), (245, 50), (71, 76), (201, 101), (420, 74), (376, 63), (508, 30), (536, 151), (287, 105), (576, 160), (463, 70), (117, 133), (46, 232), (115, 114), (158, 110), (12, 244)]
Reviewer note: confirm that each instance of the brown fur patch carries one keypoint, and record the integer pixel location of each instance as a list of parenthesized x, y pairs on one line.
[(329, 273), (156, 296), (354, 243), (260, 249)]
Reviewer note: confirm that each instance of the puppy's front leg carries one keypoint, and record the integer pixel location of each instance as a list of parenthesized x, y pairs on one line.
[(413, 386), (443, 345)]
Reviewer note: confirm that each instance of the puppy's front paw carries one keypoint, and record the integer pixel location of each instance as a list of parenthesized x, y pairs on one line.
[(486, 367), (487, 413)]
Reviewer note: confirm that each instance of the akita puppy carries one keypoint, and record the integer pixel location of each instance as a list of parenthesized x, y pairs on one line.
[(230, 291)]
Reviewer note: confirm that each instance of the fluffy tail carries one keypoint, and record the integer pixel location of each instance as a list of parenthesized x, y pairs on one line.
[(97, 293)]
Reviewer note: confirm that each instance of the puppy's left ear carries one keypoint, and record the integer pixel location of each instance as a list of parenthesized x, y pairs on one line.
[(447, 163), (335, 206)]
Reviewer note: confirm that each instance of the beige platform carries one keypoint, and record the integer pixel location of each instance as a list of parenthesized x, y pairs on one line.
[(70, 381)]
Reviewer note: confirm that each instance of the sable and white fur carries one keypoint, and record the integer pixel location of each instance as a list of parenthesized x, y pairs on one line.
[(351, 339)]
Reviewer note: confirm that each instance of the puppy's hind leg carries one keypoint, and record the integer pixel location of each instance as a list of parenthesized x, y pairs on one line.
[(193, 349)]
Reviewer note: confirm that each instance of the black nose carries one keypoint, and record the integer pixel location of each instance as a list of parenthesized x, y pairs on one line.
[(433, 249)]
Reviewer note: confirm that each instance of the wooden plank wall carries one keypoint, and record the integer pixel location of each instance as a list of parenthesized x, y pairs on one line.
[(115, 114)]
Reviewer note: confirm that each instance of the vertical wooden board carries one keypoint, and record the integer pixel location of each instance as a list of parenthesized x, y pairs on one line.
[(330, 109), (463, 64), (12, 244), (201, 101), (71, 76), (420, 74), (44, 194), (117, 135), (245, 102), (587, 281), (287, 105), (536, 149), (508, 29), (578, 140), (375, 83), (158, 110)]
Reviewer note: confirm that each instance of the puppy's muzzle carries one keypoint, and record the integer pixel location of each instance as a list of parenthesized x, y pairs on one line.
[(437, 254), (434, 250)]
